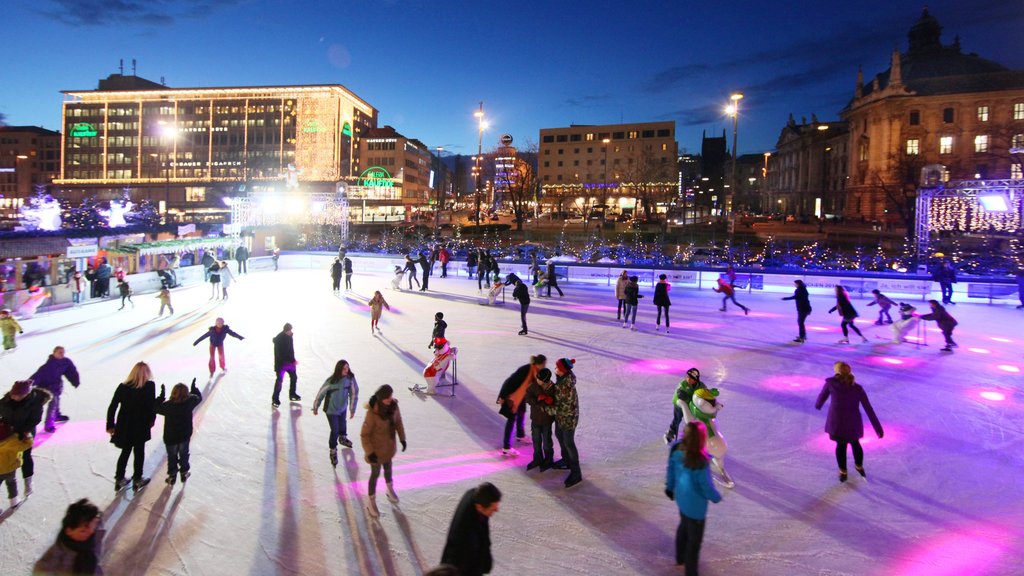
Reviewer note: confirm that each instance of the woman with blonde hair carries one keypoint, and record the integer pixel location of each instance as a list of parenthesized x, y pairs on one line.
[(844, 424), (129, 427), (377, 305), (620, 292)]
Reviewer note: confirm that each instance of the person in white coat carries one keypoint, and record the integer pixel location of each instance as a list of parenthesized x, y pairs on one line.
[(226, 278)]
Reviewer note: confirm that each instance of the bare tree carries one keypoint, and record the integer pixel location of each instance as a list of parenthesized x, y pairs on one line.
[(648, 180), (522, 183)]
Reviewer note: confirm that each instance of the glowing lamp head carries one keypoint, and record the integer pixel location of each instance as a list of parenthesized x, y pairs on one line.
[(730, 110), (736, 96), (994, 203)]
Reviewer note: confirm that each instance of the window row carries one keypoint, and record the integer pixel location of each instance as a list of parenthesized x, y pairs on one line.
[(982, 144), (981, 114), (591, 136)]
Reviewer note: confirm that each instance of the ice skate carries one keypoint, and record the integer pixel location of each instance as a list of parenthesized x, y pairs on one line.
[(275, 403), (863, 340), (946, 349), (798, 340), (171, 479), (139, 484), (573, 481), (62, 418), (344, 441), (844, 341), (523, 333), (666, 330), (509, 452), (295, 398), (632, 327), (721, 309), (121, 484), (184, 476), (371, 506), (391, 494), (842, 475), (334, 457), (15, 502), (625, 324), (657, 328), (860, 470), (669, 437)]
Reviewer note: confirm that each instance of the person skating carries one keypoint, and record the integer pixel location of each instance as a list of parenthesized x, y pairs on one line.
[(705, 407), (339, 393), (433, 258), (207, 261), (848, 314), (539, 396), (103, 273), (803, 308), (215, 280), (688, 482), (377, 306), (130, 417), (126, 293), (495, 271), (9, 327), (425, 266), (510, 398), (285, 363), (276, 255), (945, 321), (336, 272), (440, 327), (226, 278), (945, 275), (382, 423), (471, 260), (884, 304), (567, 417), (522, 294), (843, 423), (217, 334), (410, 268), (12, 449), (681, 403), (79, 544), (620, 292), (468, 545), (443, 256), (77, 285), (633, 297), (346, 264), (728, 292), (242, 257), (661, 300), (540, 280), (483, 268), (177, 412), (164, 295), (22, 408), (50, 377), (552, 278), (434, 372), (1020, 287)]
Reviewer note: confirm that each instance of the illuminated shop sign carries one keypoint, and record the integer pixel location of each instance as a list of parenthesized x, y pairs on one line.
[(346, 129), (83, 130), (313, 126), (376, 176)]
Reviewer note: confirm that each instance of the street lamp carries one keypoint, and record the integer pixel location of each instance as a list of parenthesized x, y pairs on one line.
[(479, 114), (440, 192), (764, 177), (733, 109)]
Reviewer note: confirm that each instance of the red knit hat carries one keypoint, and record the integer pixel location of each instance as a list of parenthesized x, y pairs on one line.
[(565, 364)]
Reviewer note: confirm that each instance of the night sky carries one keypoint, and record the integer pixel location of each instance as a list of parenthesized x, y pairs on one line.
[(425, 64)]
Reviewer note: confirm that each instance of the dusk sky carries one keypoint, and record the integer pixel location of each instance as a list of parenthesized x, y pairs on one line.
[(426, 64)]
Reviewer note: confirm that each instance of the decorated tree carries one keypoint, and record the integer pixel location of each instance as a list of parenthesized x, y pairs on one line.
[(144, 213), (86, 216)]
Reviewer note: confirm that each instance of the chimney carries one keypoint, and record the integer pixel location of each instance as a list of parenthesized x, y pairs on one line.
[(133, 67), (859, 91), (895, 74)]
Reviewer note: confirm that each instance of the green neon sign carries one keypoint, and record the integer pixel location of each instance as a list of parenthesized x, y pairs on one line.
[(346, 129), (377, 177), (83, 130), (313, 126)]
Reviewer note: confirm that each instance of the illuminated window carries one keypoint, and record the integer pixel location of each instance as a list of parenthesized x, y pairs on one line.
[(913, 147), (946, 145), (195, 194), (863, 152), (1015, 172), (1017, 141), (981, 143), (664, 147), (590, 137), (982, 113), (1018, 111), (632, 135)]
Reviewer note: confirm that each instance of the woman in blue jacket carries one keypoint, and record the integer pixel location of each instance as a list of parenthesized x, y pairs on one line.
[(339, 392), (689, 484)]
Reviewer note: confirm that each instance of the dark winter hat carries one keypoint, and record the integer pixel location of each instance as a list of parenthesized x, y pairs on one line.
[(439, 315), (287, 327), (544, 375), (565, 364), (21, 388), (634, 278), (693, 373)]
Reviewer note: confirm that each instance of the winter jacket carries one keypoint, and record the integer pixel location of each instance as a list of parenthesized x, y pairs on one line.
[(226, 276), (567, 402), (378, 433), (410, 265), (444, 257), (633, 295), (217, 337), (620, 288), (691, 488), (424, 264), (542, 404), (471, 260), (124, 289), (803, 300), (132, 423), (513, 389), (724, 287), (338, 396), (207, 260), (284, 351), (468, 546), (178, 416), (884, 301), (336, 270), (944, 275), (843, 423), (521, 293), (440, 327), (552, 277), (347, 265), (941, 317), (25, 415), (50, 376), (684, 393), (9, 326), (241, 253), (215, 273), (104, 271), (76, 283), (845, 307), (661, 294), (59, 559), (11, 450)]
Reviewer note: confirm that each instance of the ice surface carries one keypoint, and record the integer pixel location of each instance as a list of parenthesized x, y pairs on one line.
[(944, 493)]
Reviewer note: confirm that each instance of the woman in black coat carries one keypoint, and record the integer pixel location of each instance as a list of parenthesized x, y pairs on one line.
[(849, 314), (129, 427), (661, 300), (803, 308)]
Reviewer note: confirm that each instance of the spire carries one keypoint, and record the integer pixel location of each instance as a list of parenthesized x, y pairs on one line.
[(895, 74), (859, 91), (925, 35)]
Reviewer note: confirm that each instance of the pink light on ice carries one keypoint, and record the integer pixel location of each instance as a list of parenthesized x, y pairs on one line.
[(980, 350), (1003, 340), (894, 436), (662, 366), (792, 383), (821, 328), (892, 361), (436, 474), (1009, 368), (958, 550), (77, 432), (697, 325), (595, 307), (992, 395)]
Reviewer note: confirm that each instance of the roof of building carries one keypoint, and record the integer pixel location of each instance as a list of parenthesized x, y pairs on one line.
[(32, 247), (30, 130)]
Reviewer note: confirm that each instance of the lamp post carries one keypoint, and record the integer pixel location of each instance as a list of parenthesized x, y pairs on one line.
[(479, 156), (440, 192), (766, 197), (733, 109)]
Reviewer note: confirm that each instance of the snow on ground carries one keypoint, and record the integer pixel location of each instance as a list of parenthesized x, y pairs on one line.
[(943, 495)]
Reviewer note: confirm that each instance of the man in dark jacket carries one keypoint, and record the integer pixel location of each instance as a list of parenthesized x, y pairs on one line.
[(284, 361), (22, 408), (336, 269), (103, 274), (552, 279), (945, 275), (945, 321), (803, 308), (207, 261), (425, 265), (440, 326), (50, 377), (522, 294), (468, 546), (242, 256)]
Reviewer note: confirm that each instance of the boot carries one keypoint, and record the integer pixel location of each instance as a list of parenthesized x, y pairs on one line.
[(392, 496), (28, 487), (121, 484), (15, 502), (334, 457), (371, 506), (860, 470)]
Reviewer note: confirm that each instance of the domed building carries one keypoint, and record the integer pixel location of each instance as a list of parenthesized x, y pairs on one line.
[(935, 104)]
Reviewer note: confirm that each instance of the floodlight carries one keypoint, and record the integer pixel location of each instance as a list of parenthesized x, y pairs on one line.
[(994, 203)]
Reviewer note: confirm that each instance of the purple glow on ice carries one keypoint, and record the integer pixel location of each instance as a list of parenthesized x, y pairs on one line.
[(482, 332), (433, 474), (663, 366), (992, 395), (792, 383), (980, 350), (766, 314), (821, 328), (77, 432), (959, 550), (890, 361), (894, 436), (1004, 340), (697, 325), (1009, 368), (596, 307)]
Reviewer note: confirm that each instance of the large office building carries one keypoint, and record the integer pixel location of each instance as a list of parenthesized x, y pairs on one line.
[(188, 147), (614, 163), (401, 176), (29, 156), (807, 172)]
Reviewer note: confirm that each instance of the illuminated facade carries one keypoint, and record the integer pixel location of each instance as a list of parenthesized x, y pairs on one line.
[(398, 176), (29, 155), (179, 144)]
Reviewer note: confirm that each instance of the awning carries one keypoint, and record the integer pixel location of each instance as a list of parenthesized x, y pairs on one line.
[(174, 246), (33, 247)]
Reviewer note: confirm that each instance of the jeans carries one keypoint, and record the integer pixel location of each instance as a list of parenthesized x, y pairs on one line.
[(243, 266), (348, 281), (375, 473), (570, 455), (412, 276), (667, 325), (339, 427), (213, 350), (689, 536), (52, 410), (884, 312), (947, 333), (426, 278), (618, 313), (523, 307), (849, 322), (552, 283), (543, 448), (800, 318), (292, 378), (139, 450), (858, 453), (12, 483), (177, 458), (335, 283), (444, 269), (677, 419), (947, 292), (630, 310), (732, 297), (516, 420), (76, 298)]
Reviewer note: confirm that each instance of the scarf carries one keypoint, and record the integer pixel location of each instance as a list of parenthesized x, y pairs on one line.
[(86, 561)]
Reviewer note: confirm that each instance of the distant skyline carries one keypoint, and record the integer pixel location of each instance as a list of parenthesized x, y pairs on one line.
[(426, 65)]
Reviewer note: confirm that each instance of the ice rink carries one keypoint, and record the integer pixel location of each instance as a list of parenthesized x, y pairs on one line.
[(943, 495)]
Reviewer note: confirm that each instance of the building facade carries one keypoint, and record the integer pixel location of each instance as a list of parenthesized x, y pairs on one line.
[(29, 156), (187, 147), (934, 105), (610, 164), (807, 172), (409, 166)]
